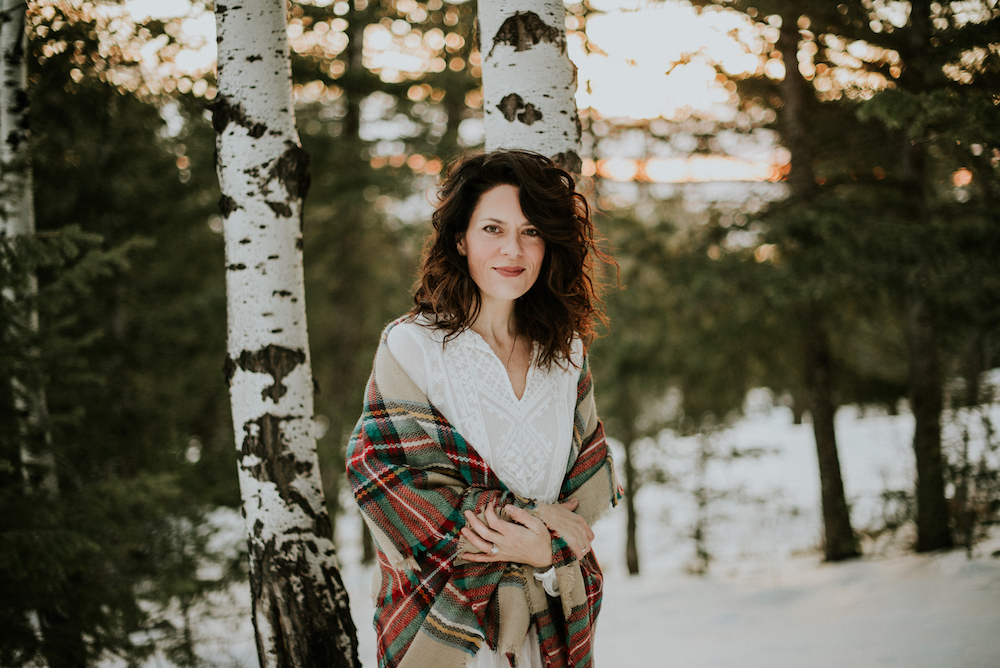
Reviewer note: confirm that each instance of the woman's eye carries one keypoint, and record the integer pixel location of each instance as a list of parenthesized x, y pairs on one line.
[(531, 232), (491, 228)]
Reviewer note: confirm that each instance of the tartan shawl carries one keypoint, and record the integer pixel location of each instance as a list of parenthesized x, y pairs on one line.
[(413, 475)]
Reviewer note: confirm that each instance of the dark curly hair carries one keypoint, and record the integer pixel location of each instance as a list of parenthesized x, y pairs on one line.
[(564, 302)]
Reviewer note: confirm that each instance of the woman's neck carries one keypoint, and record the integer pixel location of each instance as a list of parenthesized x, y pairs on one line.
[(496, 322), (497, 326)]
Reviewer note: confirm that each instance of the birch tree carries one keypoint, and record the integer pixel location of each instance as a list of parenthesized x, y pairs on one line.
[(300, 607), (17, 218), (529, 82)]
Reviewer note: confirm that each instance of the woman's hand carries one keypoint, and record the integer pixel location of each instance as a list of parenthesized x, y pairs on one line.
[(526, 540), (567, 525)]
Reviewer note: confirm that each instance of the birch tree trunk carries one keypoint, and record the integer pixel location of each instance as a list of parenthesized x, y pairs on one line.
[(300, 607), (17, 217), (529, 82)]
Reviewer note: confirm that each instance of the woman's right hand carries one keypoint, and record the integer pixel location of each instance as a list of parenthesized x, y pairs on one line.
[(569, 526)]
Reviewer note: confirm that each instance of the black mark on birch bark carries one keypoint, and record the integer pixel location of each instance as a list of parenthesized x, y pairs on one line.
[(524, 30), (292, 171), (253, 59), (304, 609), (236, 267), (280, 208), (277, 361), (513, 107), (264, 438), (569, 161), (227, 205), (225, 111), (13, 140)]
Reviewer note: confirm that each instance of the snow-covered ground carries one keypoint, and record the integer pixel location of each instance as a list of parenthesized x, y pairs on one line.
[(939, 611), (767, 599)]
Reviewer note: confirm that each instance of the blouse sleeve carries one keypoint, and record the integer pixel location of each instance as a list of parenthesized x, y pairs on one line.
[(407, 347)]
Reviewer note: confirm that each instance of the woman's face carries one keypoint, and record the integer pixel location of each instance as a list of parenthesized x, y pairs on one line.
[(504, 250)]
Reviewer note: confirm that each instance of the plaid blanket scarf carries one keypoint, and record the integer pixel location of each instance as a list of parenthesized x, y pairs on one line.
[(413, 476)]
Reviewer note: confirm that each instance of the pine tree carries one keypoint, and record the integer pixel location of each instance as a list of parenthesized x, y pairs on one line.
[(88, 572), (799, 114), (940, 108)]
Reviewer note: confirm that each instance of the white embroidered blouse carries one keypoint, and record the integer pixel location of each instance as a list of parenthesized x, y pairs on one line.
[(525, 441)]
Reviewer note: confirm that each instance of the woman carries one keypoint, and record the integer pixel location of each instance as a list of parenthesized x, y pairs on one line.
[(479, 463)]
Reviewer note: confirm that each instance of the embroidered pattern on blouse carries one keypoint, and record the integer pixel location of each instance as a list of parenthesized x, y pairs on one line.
[(526, 442)]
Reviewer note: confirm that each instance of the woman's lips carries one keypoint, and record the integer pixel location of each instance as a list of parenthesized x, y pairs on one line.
[(510, 272)]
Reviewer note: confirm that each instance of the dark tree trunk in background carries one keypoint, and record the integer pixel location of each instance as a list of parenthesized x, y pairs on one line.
[(626, 414), (839, 540), (624, 410), (797, 96), (972, 369), (631, 487), (63, 645), (926, 400), (798, 408), (367, 545), (926, 391)]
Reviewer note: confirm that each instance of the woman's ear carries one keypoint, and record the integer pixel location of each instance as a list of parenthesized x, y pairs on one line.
[(460, 243)]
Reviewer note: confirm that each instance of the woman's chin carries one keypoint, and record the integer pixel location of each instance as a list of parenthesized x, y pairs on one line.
[(506, 293)]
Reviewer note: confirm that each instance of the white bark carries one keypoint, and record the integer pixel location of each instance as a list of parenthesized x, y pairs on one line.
[(529, 82), (17, 217), (301, 613)]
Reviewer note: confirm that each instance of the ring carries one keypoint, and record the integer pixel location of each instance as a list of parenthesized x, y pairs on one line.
[(494, 550)]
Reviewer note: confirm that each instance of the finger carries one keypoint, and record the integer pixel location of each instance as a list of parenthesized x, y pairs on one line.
[(491, 516), (481, 544), (571, 504), (482, 558), (498, 523), (477, 525), (523, 517), (584, 527)]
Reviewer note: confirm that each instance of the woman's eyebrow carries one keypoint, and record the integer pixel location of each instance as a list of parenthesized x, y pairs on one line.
[(526, 223)]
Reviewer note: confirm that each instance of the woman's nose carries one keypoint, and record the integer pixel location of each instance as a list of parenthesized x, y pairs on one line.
[(511, 245)]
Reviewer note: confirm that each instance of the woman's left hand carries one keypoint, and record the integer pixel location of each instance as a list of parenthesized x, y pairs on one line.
[(526, 540), (572, 528)]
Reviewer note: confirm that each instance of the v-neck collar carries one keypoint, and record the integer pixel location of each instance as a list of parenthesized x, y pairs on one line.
[(473, 339)]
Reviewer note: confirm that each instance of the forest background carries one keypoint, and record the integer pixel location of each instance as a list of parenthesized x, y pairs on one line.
[(866, 274)]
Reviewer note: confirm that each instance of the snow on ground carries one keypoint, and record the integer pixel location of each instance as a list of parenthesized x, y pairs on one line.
[(767, 599), (941, 611)]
